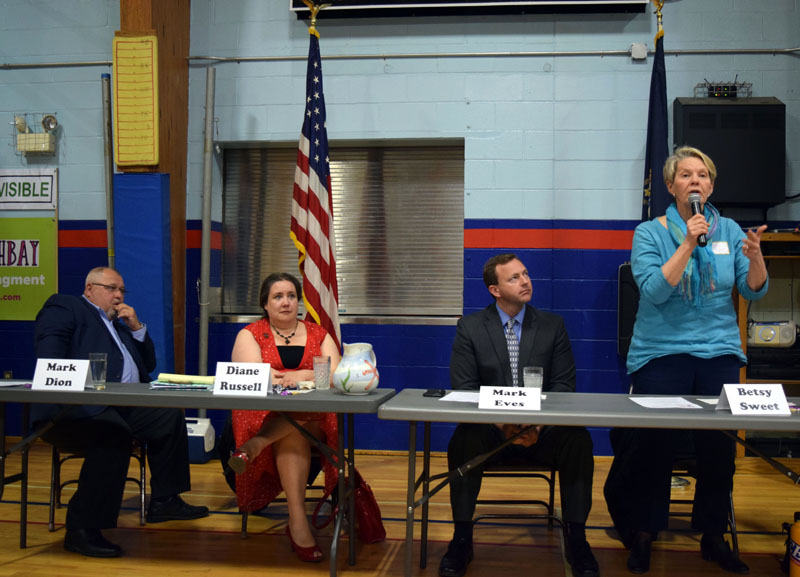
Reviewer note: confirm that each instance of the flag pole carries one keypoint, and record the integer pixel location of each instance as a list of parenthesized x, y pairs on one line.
[(312, 229), (659, 4), (314, 8)]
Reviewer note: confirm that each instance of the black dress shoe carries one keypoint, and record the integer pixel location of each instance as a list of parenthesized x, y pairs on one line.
[(715, 548), (581, 559), (90, 543), (455, 561), (173, 509), (639, 558)]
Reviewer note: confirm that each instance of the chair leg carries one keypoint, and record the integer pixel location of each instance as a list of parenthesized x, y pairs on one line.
[(552, 501), (142, 483), (55, 487), (732, 524)]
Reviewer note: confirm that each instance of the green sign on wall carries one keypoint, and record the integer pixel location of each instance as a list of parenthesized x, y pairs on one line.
[(28, 266)]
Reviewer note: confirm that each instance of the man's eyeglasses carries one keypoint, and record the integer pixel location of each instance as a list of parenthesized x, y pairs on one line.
[(111, 288)]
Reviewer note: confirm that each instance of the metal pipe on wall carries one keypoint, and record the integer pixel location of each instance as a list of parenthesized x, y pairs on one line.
[(522, 54), (205, 245), (108, 166), (543, 53)]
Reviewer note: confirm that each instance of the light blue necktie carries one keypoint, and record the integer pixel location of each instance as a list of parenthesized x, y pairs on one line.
[(513, 350)]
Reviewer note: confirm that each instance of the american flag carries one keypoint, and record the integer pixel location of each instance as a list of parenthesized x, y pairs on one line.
[(312, 205)]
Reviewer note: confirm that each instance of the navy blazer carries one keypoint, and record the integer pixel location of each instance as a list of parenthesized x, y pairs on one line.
[(70, 327), (480, 351)]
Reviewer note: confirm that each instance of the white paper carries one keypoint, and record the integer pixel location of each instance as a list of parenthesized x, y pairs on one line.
[(709, 401), (14, 383), (664, 403), (461, 396)]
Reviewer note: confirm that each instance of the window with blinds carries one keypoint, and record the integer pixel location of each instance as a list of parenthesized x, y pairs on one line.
[(398, 221)]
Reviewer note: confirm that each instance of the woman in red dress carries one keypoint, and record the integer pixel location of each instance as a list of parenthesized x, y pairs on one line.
[(273, 456)]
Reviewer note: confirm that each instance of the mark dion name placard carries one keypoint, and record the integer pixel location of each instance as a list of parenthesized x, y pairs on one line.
[(61, 375), (242, 379), (510, 398)]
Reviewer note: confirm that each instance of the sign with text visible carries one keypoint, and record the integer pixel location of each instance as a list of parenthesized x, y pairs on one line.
[(61, 375), (754, 399), (28, 261), (242, 379), (29, 189), (510, 398)]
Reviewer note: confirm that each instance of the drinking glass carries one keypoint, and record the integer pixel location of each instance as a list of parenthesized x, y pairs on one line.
[(533, 377), (97, 364), (322, 372)]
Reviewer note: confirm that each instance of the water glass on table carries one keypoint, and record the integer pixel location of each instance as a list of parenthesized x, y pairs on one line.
[(533, 377), (97, 365), (322, 372)]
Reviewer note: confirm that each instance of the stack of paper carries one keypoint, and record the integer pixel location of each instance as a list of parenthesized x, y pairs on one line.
[(190, 382)]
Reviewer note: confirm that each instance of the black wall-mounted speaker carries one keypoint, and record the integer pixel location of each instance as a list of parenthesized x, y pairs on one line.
[(746, 139)]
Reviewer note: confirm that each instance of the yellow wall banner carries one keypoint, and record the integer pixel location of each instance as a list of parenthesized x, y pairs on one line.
[(135, 94), (28, 266)]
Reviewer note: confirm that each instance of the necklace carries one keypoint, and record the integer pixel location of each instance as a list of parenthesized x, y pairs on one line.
[(285, 337)]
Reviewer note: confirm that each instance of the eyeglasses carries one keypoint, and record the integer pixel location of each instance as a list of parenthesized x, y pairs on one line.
[(111, 288)]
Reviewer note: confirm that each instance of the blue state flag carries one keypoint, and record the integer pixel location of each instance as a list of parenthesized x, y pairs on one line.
[(656, 198)]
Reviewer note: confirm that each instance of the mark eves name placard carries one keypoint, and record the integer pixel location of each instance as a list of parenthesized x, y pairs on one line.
[(61, 375), (510, 398), (242, 379), (750, 399)]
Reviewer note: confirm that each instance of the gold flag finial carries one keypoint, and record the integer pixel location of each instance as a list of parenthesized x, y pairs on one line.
[(659, 4), (314, 8)]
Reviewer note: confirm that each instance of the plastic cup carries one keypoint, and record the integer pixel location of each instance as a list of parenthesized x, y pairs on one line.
[(97, 365), (322, 372), (533, 377)]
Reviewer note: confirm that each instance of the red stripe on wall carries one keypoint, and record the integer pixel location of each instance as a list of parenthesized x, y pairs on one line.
[(194, 239), (548, 239), (82, 239)]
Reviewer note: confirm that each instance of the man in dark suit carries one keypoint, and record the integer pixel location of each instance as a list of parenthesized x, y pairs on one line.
[(70, 327), (481, 356)]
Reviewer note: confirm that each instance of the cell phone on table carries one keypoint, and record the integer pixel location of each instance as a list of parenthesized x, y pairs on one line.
[(434, 393)]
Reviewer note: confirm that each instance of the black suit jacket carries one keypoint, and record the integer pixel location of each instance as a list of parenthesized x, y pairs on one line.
[(70, 327), (480, 352)]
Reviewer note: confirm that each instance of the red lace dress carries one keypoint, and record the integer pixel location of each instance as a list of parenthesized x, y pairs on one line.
[(260, 483)]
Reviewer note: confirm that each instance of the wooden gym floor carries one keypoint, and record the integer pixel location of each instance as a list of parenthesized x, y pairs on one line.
[(764, 500)]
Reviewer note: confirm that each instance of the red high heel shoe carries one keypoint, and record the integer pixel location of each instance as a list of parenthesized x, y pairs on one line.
[(239, 461), (311, 554)]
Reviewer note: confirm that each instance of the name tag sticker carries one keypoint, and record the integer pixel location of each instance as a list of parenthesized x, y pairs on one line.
[(754, 399), (720, 247), (242, 380), (510, 398), (61, 375)]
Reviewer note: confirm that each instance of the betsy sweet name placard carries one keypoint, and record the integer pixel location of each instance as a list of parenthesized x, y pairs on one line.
[(754, 399), (242, 379), (61, 375), (510, 398)]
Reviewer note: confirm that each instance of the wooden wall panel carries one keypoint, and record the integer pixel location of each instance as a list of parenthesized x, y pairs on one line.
[(171, 22)]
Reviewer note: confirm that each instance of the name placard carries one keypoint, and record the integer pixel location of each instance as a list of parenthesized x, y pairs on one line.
[(754, 399), (510, 398), (61, 375), (242, 379)]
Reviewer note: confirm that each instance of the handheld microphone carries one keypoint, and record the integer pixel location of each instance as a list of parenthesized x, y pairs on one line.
[(694, 201)]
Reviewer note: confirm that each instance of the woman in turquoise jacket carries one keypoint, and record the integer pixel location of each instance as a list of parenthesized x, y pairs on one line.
[(686, 342)]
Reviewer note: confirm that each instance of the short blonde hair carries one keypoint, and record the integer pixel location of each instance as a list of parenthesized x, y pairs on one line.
[(682, 153)]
